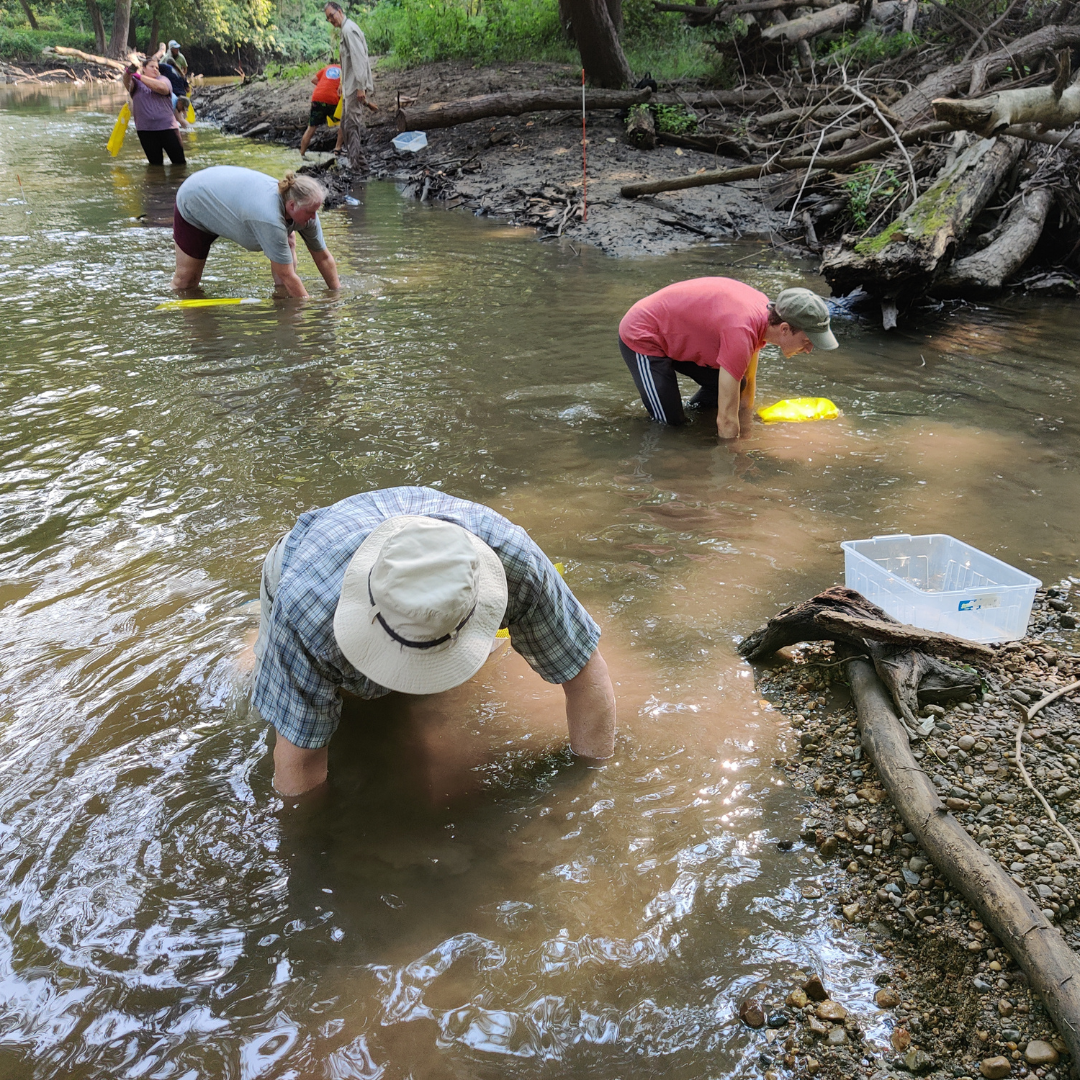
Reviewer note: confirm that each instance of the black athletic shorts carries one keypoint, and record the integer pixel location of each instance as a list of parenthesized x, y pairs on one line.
[(321, 112), (154, 142)]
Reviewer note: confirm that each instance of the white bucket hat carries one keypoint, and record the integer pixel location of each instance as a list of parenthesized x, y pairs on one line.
[(420, 604)]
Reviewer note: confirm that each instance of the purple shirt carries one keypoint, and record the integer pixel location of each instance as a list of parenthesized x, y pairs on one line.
[(152, 111)]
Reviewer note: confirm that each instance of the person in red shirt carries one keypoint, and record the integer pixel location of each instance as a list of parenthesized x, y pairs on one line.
[(324, 102), (710, 329)]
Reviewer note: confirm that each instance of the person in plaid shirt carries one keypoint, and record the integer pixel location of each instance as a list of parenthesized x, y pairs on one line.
[(404, 589)]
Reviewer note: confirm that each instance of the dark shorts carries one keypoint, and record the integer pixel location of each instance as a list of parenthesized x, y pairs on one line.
[(189, 239), (156, 144), (320, 113)]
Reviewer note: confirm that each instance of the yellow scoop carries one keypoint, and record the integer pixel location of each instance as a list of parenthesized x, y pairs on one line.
[(795, 410), (562, 573), (333, 121), (176, 305)]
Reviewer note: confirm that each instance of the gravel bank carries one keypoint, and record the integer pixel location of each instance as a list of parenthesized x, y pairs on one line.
[(952, 1000)]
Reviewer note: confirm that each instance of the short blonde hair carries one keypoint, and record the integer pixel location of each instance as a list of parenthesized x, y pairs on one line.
[(304, 190)]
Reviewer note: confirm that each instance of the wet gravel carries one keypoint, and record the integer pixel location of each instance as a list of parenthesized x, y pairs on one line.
[(951, 999)]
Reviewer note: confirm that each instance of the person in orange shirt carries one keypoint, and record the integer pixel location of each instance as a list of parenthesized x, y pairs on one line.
[(324, 101)]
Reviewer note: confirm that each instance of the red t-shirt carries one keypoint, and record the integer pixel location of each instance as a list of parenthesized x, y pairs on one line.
[(328, 88), (712, 321)]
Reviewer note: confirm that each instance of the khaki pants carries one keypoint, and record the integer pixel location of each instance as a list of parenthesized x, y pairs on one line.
[(352, 133)]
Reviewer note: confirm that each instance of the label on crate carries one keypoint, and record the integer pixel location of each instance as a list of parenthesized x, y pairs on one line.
[(980, 603)]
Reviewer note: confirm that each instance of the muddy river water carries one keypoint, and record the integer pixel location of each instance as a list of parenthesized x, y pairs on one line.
[(464, 901)]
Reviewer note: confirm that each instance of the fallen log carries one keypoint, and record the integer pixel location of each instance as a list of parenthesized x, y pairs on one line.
[(840, 17), (897, 650), (906, 257), (1051, 967), (989, 269), (512, 103), (752, 172), (1054, 106), (641, 128), (63, 50)]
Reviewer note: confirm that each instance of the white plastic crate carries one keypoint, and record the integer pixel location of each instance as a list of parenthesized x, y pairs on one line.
[(940, 583), (409, 142)]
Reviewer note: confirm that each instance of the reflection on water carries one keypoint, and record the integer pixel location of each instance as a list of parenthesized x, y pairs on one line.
[(464, 900)]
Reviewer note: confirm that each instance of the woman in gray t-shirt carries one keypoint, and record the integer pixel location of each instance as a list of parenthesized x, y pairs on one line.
[(258, 213)]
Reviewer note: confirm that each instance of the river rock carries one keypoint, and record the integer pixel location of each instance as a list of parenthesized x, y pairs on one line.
[(751, 1014), (810, 892), (918, 1061), (995, 1068), (887, 999), (966, 742), (900, 1039), (1040, 1053), (813, 1066), (837, 1037), (817, 1027), (797, 999), (814, 989), (851, 911), (831, 1010), (828, 848)]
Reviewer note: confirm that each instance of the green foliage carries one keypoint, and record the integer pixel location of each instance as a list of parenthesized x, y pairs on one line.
[(675, 120), (871, 184), (414, 31), (22, 43), (870, 46)]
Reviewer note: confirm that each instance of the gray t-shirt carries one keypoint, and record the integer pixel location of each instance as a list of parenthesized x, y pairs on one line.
[(244, 206)]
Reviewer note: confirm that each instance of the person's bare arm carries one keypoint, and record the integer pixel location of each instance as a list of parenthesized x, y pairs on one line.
[(590, 710), (159, 85), (285, 276), (327, 267), (297, 770), (746, 396), (728, 396)]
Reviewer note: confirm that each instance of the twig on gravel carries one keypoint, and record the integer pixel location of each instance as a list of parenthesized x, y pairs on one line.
[(1029, 715)]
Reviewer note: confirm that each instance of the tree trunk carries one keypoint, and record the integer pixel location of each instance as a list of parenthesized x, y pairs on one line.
[(986, 116), (820, 22), (132, 42), (989, 269), (904, 259), (98, 24), (513, 103), (641, 128), (1052, 968), (598, 43), (614, 10), (118, 46), (155, 30), (566, 20), (29, 14)]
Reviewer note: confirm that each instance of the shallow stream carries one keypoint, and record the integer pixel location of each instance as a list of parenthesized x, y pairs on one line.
[(463, 901)]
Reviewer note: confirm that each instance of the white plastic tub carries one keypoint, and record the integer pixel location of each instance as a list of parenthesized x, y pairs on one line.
[(409, 142), (940, 583)]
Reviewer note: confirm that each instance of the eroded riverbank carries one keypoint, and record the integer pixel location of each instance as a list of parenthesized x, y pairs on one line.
[(526, 170)]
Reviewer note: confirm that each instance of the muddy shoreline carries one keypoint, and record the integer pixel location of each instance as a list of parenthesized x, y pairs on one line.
[(956, 1005), (526, 170)]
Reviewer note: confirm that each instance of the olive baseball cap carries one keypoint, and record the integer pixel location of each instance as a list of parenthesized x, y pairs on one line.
[(804, 310)]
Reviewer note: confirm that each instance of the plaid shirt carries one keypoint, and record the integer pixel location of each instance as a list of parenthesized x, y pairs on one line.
[(298, 677)]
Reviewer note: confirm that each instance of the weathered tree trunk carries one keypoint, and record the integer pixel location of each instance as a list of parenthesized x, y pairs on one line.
[(1031, 105), (905, 258), (598, 43), (98, 23), (641, 128), (155, 30), (62, 50), (614, 10), (1052, 968), (118, 46), (29, 14), (513, 103), (840, 17), (989, 269)]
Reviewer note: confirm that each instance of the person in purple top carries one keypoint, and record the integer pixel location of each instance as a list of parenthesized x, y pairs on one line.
[(151, 105)]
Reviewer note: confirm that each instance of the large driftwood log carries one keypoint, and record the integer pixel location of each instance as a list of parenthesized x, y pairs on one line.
[(513, 103), (1057, 105), (834, 162), (899, 652), (907, 256), (1052, 968), (90, 58), (840, 17), (989, 269)]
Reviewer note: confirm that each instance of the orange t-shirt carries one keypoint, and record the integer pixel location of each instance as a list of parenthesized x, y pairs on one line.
[(328, 88), (712, 321)]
